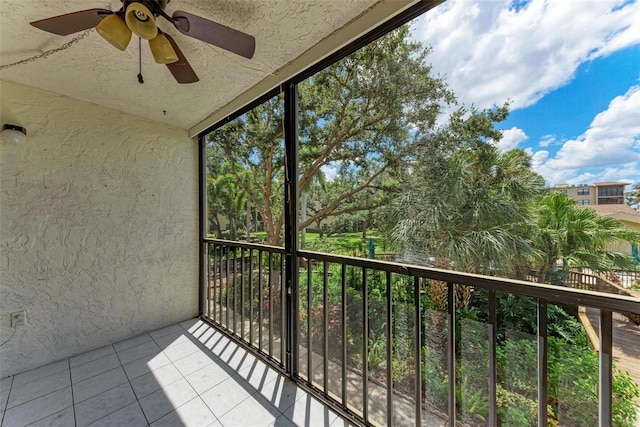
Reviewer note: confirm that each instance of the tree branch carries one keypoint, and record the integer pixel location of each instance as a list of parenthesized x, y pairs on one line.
[(334, 204)]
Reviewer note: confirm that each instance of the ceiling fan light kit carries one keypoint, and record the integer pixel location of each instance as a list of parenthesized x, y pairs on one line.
[(141, 21), (162, 50), (139, 17), (115, 30)]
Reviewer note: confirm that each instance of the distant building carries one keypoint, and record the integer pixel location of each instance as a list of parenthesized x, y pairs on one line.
[(598, 193), (626, 215)]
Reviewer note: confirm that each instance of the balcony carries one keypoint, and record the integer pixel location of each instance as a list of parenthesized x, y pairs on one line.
[(317, 333), (235, 366), (133, 317)]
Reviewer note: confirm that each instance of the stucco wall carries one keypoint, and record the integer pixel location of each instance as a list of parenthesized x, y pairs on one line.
[(98, 227)]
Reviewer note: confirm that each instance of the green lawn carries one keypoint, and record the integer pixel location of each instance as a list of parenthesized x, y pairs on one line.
[(341, 244)]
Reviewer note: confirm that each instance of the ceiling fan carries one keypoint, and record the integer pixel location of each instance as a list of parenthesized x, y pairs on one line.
[(139, 17)]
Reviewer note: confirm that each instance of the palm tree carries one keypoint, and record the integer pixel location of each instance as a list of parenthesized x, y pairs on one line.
[(228, 199), (471, 216), (577, 237)]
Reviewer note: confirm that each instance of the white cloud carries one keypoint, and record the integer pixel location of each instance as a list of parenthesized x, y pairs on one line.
[(547, 140), (330, 172), (511, 138), (613, 139), (538, 158), (629, 172), (491, 52)]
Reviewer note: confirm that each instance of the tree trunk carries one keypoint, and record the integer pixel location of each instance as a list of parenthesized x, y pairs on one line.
[(248, 222), (438, 293), (438, 289), (216, 226), (364, 229), (319, 226), (303, 218)]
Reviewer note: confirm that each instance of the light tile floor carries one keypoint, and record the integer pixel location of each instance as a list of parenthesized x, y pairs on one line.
[(187, 374)]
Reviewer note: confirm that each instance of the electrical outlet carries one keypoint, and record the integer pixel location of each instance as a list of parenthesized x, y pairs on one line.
[(19, 318)]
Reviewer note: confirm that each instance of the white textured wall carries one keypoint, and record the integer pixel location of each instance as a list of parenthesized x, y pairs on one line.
[(98, 227)]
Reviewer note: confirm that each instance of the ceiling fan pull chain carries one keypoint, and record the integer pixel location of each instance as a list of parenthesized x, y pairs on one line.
[(140, 79)]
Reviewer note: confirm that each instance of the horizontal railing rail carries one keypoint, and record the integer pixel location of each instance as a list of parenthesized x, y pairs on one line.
[(371, 340), (553, 293), (246, 245)]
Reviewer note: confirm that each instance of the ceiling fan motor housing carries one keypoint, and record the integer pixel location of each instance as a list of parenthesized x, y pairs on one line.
[(155, 6)]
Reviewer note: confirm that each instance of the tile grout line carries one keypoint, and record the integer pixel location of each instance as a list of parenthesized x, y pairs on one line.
[(36, 398), (203, 349), (197, 396), (4, 413), (46, 416), (39, 378), (71, 382), (129, 381), (73, 403), (170, 363)]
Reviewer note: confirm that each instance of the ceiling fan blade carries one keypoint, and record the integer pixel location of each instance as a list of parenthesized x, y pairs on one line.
[(181, 70), (63, 25), (216, 34)]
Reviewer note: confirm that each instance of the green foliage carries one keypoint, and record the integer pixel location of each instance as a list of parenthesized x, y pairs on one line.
[(625, 395), (577, 236), (515, 409), (360, 116), (573, 383), (473, 401), (465, 202), (377, 358)]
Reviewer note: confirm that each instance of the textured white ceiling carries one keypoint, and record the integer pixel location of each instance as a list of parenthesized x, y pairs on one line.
[(94, 71)]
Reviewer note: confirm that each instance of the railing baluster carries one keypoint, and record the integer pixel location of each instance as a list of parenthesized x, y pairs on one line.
[(204, 302), (418, 349), (325, 323), (235, 291), (226, 272), (242, 293), (283, 311), (309, 314), (214, 281), (251, 294), (389, 349), (542, 363), (343, 281), (293, 317), (365, 346), (605, 389), (270, 304), (261, 300), (493, 378), (451, 352), (219, 283)]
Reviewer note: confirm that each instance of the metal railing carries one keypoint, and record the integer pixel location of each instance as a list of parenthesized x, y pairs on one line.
[(624, 277), (244, 295), (393, 344)]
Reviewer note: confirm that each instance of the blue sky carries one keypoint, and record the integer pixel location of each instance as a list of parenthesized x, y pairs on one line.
[(570, 68)]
